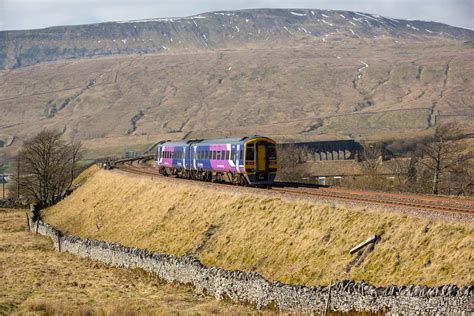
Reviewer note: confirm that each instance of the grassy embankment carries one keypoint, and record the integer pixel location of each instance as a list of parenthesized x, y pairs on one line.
[(292, 241), (36, 279)]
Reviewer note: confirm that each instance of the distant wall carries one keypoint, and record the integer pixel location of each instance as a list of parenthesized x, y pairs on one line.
[(251, 287)]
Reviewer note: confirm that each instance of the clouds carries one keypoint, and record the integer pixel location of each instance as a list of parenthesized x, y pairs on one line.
[(27, 14)]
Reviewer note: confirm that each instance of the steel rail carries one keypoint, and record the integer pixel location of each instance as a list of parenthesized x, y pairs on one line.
[(137, 166)]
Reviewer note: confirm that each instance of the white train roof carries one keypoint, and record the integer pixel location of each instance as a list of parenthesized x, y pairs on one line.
[(206, 142)]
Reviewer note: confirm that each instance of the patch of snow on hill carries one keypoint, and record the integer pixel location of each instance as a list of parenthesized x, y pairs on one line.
[(327, 23), (366, 16), (297, 13)]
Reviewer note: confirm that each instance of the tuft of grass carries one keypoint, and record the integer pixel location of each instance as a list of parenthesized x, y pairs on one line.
[(288, 240)]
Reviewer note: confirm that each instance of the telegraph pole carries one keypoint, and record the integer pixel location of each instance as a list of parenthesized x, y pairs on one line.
[(2, 179), (18, 179)]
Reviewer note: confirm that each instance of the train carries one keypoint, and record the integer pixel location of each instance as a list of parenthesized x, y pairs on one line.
[(249, 160)]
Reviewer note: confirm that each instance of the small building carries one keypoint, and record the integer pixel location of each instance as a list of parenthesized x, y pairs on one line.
[(131, 154)]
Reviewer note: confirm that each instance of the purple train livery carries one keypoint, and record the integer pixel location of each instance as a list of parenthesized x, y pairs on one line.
[(250, 160)]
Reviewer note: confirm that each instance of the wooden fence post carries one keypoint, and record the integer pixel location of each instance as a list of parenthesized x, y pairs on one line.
[(28, 222), (59, 242), (326, 309)]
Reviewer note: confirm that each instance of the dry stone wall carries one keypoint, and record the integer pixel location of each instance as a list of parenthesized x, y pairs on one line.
[(251, 287)]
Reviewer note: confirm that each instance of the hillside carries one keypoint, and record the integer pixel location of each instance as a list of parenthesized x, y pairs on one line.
[(294, 241), (208, 31), (291, 74)]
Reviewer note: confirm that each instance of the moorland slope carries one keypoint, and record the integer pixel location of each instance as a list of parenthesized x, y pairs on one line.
[(290, 74)]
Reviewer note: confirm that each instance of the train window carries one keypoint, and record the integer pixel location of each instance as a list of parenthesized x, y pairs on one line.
[(227, 155), (213, 155), (249, 155), (271, 152), (219, 155)]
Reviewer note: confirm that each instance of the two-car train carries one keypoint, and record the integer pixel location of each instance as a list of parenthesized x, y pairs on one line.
[(245, 161)]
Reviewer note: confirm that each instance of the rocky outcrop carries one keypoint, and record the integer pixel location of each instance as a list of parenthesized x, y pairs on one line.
[(251, 287), (214, 30)]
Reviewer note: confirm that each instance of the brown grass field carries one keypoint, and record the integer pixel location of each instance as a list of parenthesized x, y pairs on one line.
[(289, 240), (36, 280)]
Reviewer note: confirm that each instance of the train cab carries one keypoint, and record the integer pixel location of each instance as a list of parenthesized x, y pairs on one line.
[(260, 160)]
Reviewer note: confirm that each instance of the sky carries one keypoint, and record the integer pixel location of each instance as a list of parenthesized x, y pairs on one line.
[(31, 14)]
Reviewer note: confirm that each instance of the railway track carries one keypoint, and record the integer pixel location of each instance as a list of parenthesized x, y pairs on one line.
[(408, 201)]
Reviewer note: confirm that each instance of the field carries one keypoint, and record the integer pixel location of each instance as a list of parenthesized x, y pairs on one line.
[(38, 280), (284, 239)]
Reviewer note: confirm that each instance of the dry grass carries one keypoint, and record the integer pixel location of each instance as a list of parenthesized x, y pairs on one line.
[(291, 241), (37, 280)]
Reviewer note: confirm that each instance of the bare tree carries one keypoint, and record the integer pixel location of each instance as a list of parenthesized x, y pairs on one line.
[(289, 158), (47, 166), (76, 155), (371, 159), (443, 156)]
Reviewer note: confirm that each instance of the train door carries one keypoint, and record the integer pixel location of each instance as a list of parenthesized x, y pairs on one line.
[(261, 157)]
